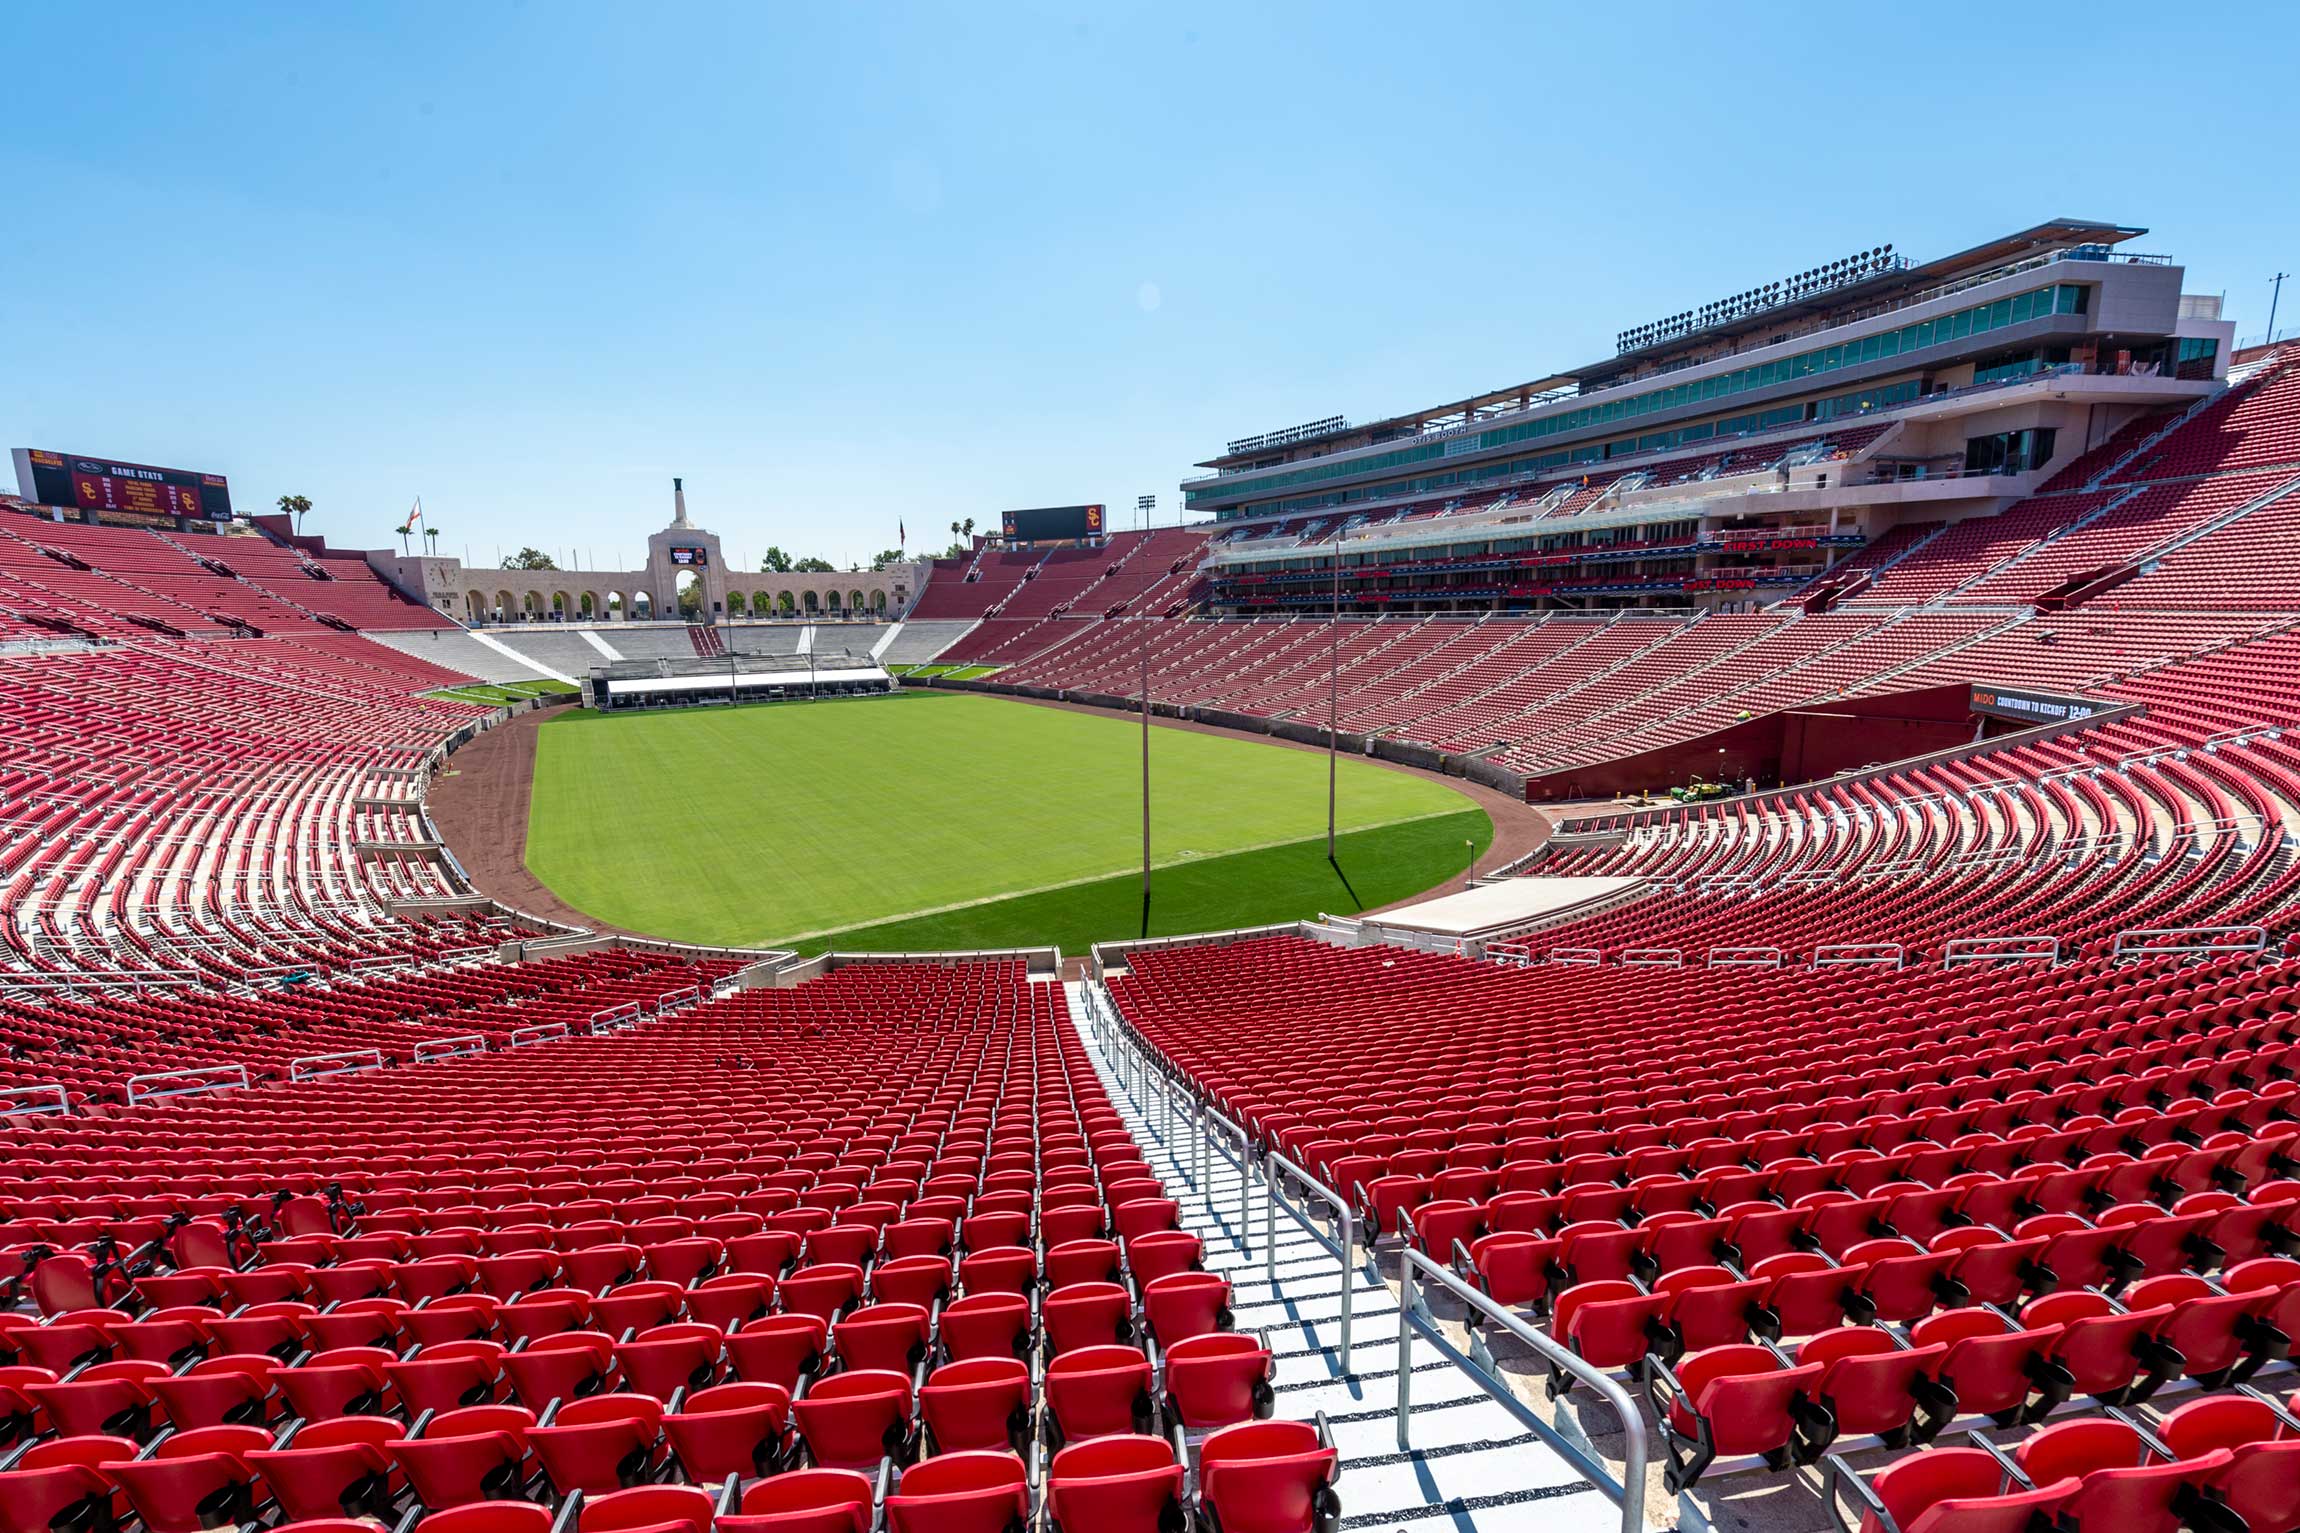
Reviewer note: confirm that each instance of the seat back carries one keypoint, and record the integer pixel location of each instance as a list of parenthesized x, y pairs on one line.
[(968, 1492), (1266, 1477), (1115, 1485)]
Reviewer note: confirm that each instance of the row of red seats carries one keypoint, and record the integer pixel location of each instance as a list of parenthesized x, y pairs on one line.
[(731, 1248), (1814, 1213), (1254, 1476)]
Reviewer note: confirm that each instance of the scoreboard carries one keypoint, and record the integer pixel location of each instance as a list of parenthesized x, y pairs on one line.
[(1053, 524), (105, 484), (689, 557)]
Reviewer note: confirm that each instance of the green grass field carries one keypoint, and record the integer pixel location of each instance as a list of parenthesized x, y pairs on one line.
[(938, 820)]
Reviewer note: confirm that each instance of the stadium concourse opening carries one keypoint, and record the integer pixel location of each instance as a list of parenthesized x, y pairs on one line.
[(1910, 1148)]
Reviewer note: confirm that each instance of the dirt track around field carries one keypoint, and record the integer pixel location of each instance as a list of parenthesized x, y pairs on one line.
[(479, 802)]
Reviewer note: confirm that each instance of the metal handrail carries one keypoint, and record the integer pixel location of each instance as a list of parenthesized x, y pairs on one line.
[(1243, 1160), (101, 979), (1151, 1078), (1744, 957), (314, 1067), (62, 1100), (1582, 956), (2162, 941), (2023, 949), (1627, 1492), (450, 1048), (615, 1018), (2197, 830), (540, 1032), (1860, 952), (1133, 1063), (2243, 734), (210, 1078), (1347, 1217), (1652, 958)]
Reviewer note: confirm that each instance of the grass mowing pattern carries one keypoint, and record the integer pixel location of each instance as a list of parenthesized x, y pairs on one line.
[(784, 824), (1371, 868)]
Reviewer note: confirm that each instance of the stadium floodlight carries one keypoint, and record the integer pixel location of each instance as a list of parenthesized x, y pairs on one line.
[(1146, 504), (1334, 696)]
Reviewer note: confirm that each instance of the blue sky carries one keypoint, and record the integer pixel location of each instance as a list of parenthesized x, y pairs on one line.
[(844, 265)]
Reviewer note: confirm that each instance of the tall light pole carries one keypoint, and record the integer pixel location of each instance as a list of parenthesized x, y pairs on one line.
[(2275, 295), (1147, 504), (1334, 695), (1144, 505)]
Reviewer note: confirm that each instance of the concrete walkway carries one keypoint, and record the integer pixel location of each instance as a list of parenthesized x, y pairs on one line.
[(1473, 1468)]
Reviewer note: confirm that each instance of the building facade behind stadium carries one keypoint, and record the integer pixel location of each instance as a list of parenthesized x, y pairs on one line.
[(1731, 454)]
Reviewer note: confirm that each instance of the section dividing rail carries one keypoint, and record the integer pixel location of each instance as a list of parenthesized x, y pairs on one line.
[(1177, 1114)]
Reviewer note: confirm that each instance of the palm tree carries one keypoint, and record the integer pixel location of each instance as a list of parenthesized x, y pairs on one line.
[(296, 506)]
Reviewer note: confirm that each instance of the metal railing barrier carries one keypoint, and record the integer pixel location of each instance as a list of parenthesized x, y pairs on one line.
[(1744, 958), (615, 1018), (197, 1079), (1416, 1270), (1346, 1224), (2188, 942), (36, 1099), (314, 1067), (2033, 948)]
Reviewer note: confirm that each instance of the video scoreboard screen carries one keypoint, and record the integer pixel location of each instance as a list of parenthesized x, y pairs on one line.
[(104, 484), (1053, 524), (690, 558)]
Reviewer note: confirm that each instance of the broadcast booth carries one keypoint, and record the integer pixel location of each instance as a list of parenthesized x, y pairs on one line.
[(731, 678)]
